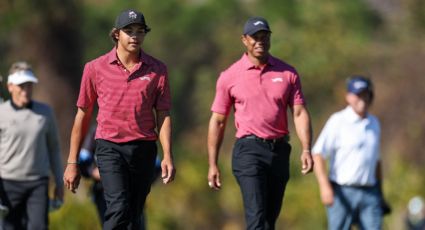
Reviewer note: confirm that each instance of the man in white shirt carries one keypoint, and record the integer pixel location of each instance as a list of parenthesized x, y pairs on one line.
[(350, 141)]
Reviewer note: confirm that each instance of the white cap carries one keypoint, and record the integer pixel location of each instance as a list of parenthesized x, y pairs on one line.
[(22, 76)]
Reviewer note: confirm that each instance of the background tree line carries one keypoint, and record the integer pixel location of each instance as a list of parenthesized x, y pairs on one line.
[(325, 40)]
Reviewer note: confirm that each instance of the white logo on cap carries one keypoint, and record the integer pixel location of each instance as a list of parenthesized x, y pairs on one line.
[(360, 84), (132, 15), (258, 23)]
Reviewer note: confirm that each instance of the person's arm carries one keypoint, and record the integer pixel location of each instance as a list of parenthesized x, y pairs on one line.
[(326, 191), (71, 177), (53, 146), (164, 129), (303, 127), (216, 129)]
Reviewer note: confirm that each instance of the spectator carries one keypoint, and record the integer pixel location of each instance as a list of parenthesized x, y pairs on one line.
[(350, 140), (29, 149)]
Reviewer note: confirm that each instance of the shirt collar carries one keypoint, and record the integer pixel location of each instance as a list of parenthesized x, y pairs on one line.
[(112, 57), (353, 116), (247, 64)]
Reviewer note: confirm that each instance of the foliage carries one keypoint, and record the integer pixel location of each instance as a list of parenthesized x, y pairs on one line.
[(77, 212)]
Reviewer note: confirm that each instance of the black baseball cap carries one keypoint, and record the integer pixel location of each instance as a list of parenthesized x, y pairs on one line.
[(358, 84), (255, 24), (130, 16)]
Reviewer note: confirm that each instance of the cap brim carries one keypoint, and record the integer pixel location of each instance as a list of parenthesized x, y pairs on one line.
[(22, 81), (359, 91), (147, 28), (257, 30), (21, 77)]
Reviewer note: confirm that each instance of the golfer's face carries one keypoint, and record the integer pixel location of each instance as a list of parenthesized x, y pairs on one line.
[(131, 37), (258, 44)]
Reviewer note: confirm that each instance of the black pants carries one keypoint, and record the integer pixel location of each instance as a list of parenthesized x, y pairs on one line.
[(262, 171), (99, 201), (27, 202), (125, 170)]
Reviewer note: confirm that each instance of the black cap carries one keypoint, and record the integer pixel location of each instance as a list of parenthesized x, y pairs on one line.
[(255, 24), (128, 17)]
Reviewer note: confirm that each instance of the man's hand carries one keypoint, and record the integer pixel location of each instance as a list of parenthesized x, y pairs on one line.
[(71, 177), (214, 177), (168, 170), (306, 162)]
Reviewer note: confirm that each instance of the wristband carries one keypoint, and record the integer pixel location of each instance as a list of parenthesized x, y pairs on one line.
[(72, 163), (306, 151)]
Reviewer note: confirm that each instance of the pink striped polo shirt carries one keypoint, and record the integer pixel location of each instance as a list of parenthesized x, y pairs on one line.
[(260, 97), (125, 99)]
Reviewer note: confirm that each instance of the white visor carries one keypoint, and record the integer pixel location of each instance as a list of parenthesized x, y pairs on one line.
[(21, 77)]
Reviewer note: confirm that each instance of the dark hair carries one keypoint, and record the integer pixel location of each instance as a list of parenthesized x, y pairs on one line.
[(112, 34)]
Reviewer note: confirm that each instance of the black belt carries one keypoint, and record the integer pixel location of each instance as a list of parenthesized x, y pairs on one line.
[(284, 138)]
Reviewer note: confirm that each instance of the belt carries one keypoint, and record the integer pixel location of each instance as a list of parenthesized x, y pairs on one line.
[(353, 185), (284, 138)]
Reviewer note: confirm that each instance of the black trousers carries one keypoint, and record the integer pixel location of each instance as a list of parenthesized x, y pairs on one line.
[(99, 201), (262, 171), (125, 170), (27, 202)]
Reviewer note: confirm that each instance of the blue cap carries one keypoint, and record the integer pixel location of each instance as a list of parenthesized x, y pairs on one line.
[(255, 24), (358, 84)]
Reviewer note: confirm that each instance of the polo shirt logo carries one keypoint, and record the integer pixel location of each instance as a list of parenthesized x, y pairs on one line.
[(277, 79), (145, 78)]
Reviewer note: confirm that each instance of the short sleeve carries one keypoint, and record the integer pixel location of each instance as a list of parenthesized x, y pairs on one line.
[(223, 101), (326, 142), (296, 97), (88, 95)]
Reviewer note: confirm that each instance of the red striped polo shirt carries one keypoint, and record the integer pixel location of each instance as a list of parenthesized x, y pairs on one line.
[(260, 96), (125, 99)]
